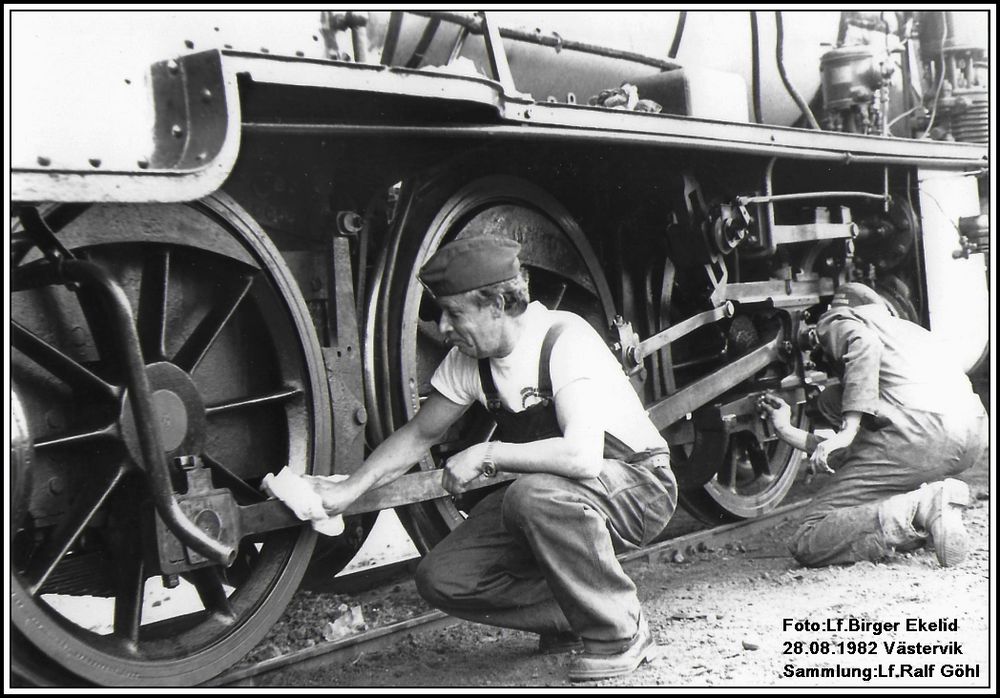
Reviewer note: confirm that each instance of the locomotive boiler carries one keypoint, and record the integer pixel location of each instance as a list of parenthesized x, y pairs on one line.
[(213, 267)]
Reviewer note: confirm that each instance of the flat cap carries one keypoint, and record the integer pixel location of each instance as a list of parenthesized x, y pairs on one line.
[(853, 294), (470, 263)]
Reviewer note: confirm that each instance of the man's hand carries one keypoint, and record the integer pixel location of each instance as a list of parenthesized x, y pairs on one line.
[(336, 496), (777, 410), (818, 461), (463, 468)]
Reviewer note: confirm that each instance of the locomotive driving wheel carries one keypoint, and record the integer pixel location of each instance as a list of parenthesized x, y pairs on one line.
[(751, 478), (237, 381), (726, 476), (563, 271)]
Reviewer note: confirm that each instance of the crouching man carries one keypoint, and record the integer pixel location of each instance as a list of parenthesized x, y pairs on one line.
[(909, 422), (595, 479)]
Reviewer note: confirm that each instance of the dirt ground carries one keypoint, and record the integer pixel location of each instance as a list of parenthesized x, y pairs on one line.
[(720, 617)]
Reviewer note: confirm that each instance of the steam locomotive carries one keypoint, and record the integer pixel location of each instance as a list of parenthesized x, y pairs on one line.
[(213, 267)]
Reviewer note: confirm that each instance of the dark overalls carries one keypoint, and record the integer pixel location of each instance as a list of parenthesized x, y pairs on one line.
[(847, 521), (539, 555)]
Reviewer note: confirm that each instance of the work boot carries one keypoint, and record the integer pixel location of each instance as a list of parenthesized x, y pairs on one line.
[(934, 510), (594, 665), (939, 512), (558, 643)]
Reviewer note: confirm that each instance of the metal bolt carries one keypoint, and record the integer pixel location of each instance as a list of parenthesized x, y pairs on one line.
[(143, 164), (189, 43), (56, 485), (173, 66), (94, 162), (78, 336), (170, 581), (177, 131), (361, 415), (44, 161), (201, 157), (206, 95), (54, 420)]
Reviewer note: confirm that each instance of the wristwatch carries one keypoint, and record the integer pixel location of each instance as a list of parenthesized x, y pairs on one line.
[(489, 466)]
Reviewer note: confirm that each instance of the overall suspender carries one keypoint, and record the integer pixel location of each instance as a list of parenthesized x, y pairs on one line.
[(493, 402)]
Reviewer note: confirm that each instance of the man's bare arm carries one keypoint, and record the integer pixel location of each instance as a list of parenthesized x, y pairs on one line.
[(395, 455)]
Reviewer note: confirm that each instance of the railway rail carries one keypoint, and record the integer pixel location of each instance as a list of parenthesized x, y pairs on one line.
[(352, 647)]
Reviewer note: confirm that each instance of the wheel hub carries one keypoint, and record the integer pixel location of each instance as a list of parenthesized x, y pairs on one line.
[(180, 413), (172, 417)]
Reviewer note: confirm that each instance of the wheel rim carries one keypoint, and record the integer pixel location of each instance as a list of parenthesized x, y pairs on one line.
[(234, 367), (752, 479), (564, 273)]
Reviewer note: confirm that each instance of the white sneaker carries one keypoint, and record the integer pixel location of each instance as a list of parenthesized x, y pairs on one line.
[(939, 512)]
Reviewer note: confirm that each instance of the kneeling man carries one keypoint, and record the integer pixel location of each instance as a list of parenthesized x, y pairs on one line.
[(595, 478)]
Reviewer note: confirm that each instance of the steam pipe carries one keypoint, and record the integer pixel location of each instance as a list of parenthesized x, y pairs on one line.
[(475, 25), (744, 200), (391, 37), (120, 314), (675, 45), (456, 49), (424, 43), (758, 111), (779, 57), (937, 92)]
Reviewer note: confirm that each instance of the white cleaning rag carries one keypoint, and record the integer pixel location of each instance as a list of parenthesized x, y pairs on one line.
[(305, 502)]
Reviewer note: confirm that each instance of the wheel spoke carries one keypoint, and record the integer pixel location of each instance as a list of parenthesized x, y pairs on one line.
[(128, 600), (208, 582), (761, 462), (68, 531), (279, 396), (733, 467), (68, 370), (101, 329), (153, 293), (201, 340), (557, 301), (79, 438)]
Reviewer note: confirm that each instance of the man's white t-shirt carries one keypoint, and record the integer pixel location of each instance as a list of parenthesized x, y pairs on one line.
[(578, 354)]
